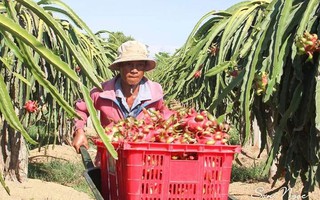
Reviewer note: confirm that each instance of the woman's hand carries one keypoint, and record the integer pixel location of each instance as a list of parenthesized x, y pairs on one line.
[(79, 139)]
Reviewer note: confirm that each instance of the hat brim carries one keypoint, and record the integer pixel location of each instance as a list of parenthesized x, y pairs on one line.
[(151, 64)]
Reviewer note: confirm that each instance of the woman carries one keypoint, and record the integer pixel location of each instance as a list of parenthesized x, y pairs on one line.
[(124, 95)]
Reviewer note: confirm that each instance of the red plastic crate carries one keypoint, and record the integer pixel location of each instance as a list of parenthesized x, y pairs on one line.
[(148, 171)]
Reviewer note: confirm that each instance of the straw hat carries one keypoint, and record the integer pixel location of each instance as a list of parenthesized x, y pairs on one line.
[(133, 51)]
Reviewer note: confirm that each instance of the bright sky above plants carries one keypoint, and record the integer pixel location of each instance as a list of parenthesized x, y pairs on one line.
[(163, 25)]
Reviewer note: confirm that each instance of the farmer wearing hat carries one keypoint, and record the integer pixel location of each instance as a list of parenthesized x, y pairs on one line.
[(125, 95)]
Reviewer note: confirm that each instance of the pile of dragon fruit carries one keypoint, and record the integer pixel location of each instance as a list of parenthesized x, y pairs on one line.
[(188, 127)]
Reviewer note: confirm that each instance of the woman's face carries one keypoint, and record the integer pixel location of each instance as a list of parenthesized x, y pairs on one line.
[(132, 72)]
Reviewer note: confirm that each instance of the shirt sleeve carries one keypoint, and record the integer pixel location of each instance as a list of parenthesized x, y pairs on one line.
[(81, 109)]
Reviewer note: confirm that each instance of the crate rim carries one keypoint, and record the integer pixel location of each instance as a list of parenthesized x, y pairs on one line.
[(168, 147)]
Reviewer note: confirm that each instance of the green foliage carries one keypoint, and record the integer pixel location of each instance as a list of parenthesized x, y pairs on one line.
[(117, 38), (3, 183), (162, 59), (242, 64), (44, 135), (46, 59), (234, 136), (61, 172), (248, 174)]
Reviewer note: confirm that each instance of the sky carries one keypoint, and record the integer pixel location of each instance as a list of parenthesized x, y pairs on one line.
[(163, 25)]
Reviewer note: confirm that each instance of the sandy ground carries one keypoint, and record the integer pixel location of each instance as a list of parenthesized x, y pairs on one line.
[(258, 190), (34, 189)]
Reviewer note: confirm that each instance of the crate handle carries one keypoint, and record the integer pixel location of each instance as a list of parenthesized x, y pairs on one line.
[(184, 156)]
